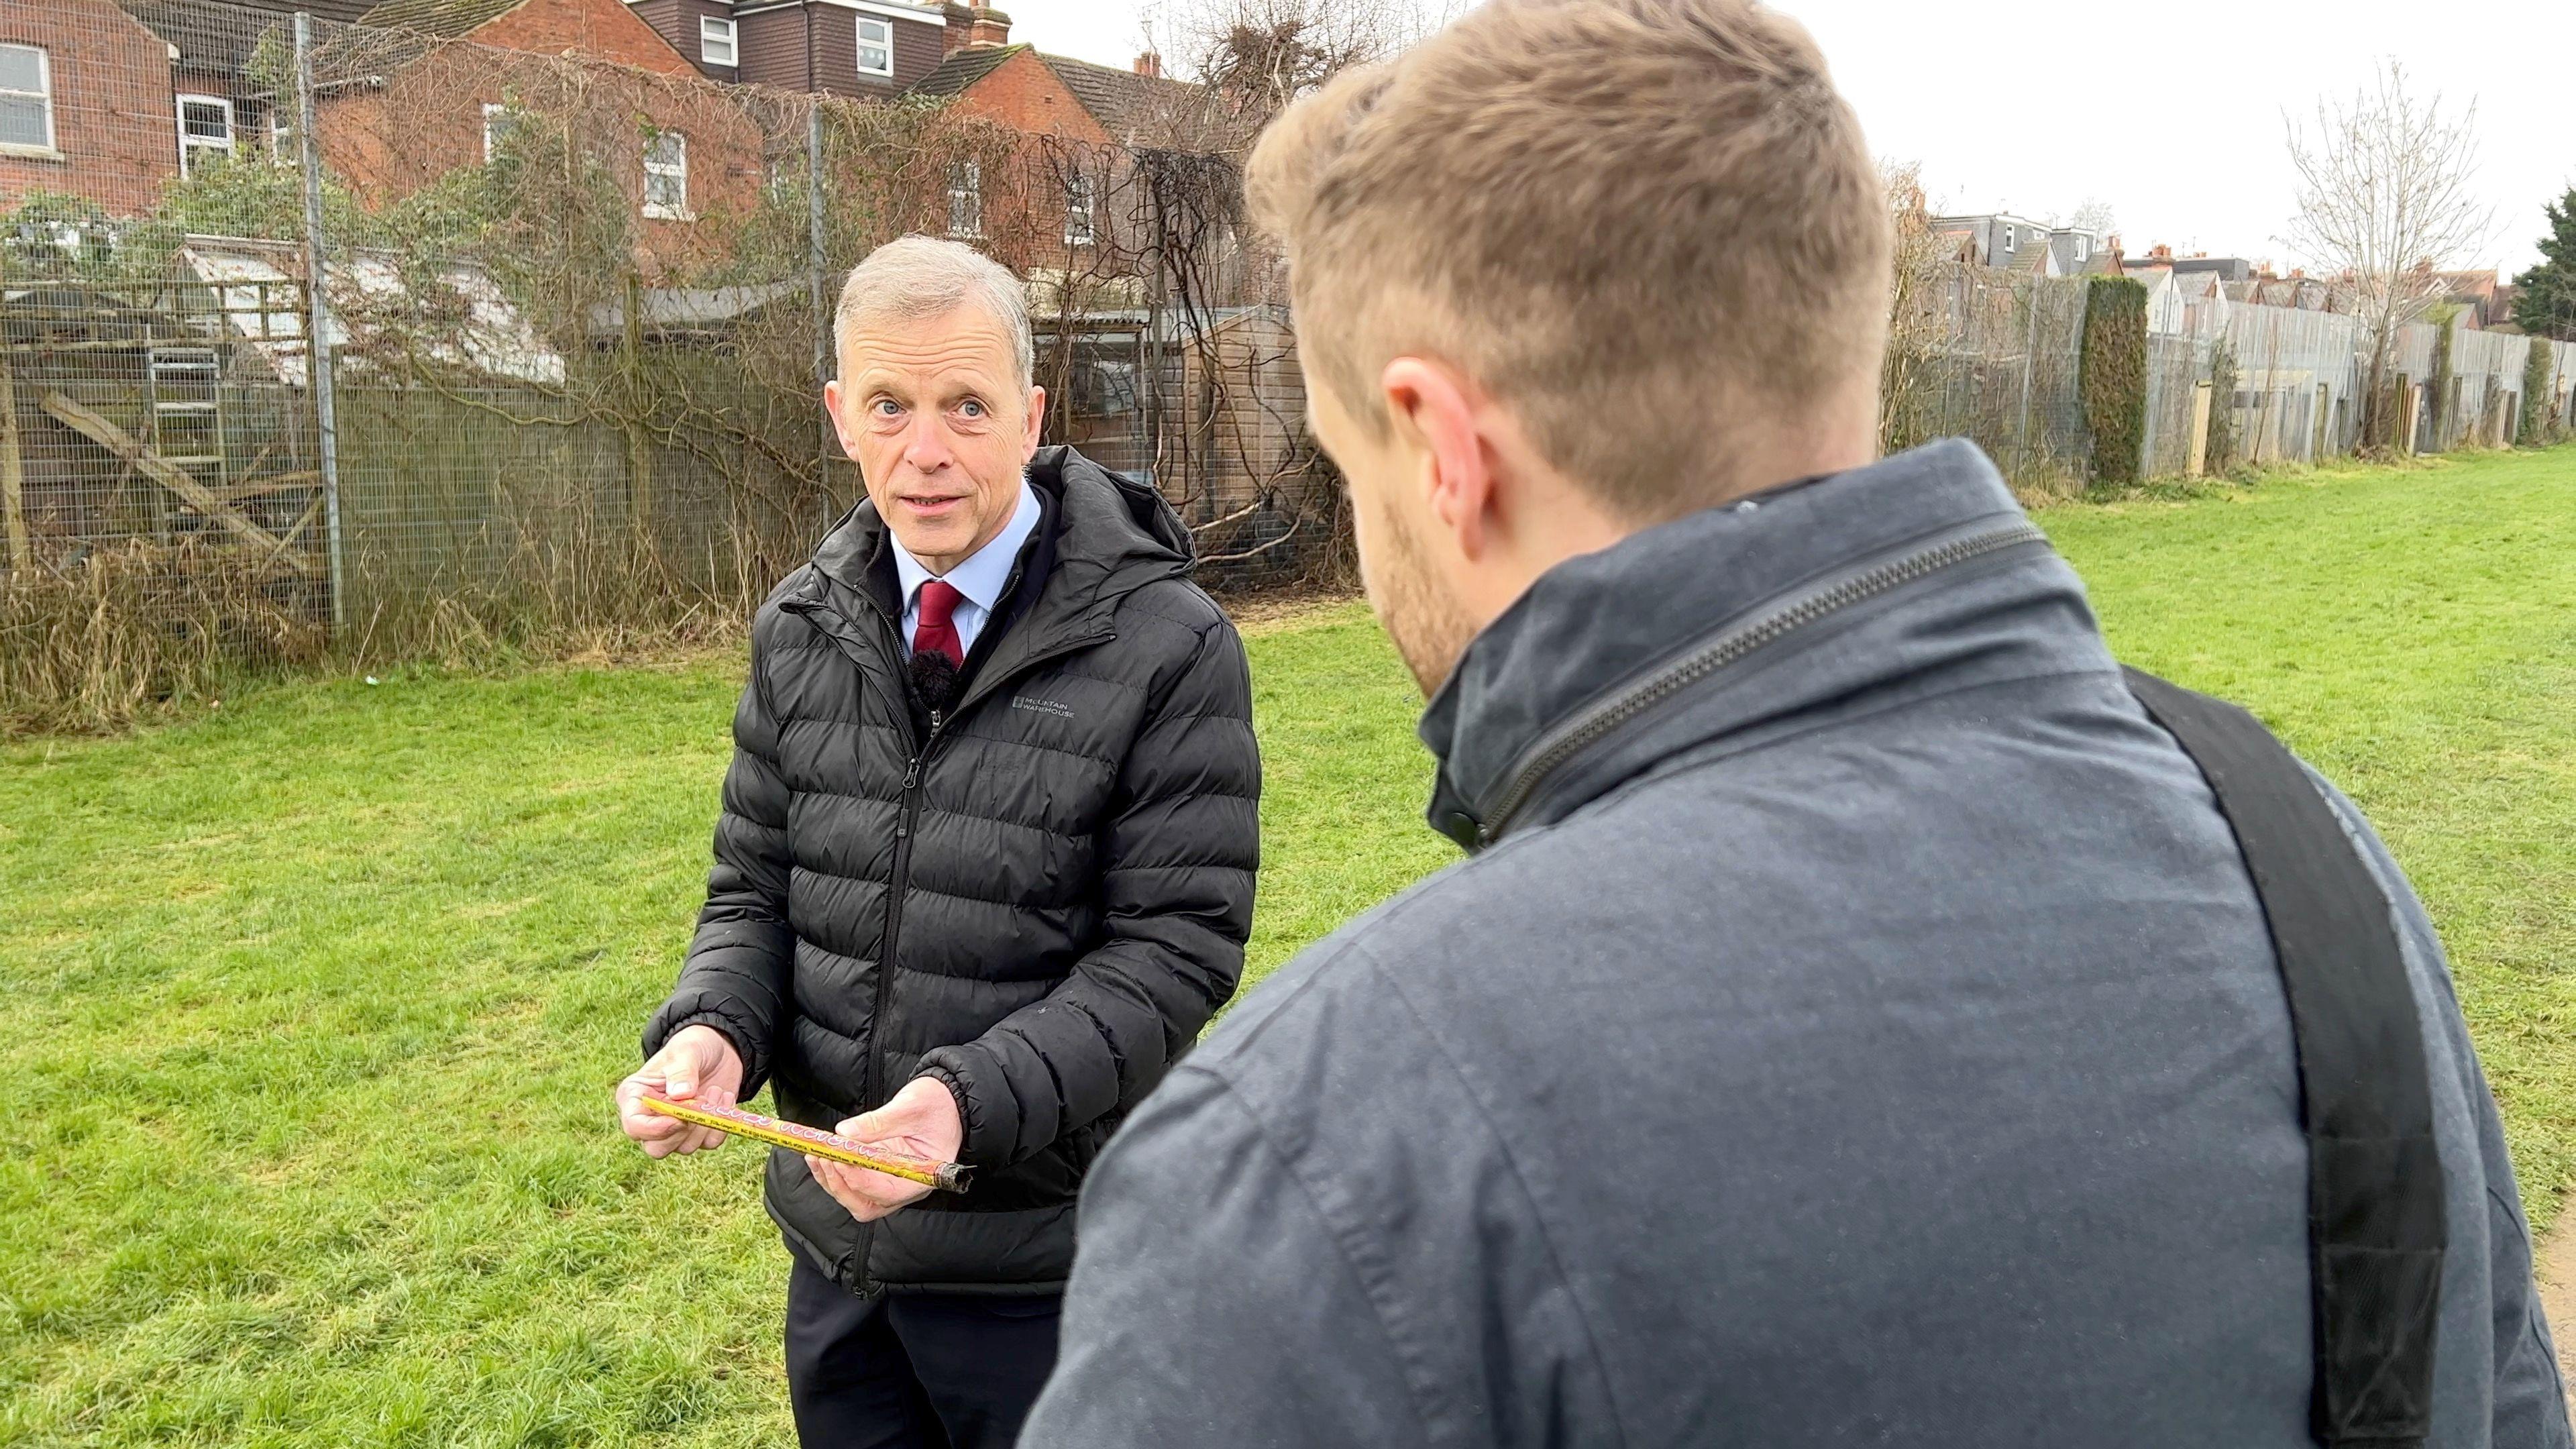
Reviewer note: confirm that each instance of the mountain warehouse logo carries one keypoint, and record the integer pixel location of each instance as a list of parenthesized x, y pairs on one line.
[(1042, 706)]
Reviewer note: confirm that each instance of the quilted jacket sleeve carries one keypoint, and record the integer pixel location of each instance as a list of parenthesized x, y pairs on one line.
[(1178, 854), (736, 974)]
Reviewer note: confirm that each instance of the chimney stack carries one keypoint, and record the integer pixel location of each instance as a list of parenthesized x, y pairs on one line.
[(987, 26), (1150, 66), (961, 25)]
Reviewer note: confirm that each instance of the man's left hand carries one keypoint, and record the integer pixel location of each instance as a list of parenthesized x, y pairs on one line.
[(921, 1121)]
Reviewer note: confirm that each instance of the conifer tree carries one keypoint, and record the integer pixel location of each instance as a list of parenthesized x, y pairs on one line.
[(2546, 302)]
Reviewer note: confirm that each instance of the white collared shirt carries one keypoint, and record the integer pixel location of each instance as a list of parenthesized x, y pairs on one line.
[(981, 578)]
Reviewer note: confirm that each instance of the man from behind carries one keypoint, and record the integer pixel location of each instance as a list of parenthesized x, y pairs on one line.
[(1857, 1022)]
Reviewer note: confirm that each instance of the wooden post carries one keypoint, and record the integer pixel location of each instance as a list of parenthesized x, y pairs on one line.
[(13, 473), (2409, 411), (2199, 430)]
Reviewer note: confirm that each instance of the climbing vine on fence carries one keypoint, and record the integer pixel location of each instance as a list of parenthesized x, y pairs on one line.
[(2539, 391), (2112, 376), (2220, 455), (2445, 319)]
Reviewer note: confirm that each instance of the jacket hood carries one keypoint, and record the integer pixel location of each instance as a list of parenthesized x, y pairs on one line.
[(1112, 536), (1615, 661)]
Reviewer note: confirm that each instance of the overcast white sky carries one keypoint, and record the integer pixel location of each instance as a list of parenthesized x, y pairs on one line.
[(2171, 113)]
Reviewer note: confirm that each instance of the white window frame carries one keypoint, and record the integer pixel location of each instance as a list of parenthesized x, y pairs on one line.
[(45, 97), (1081, 211), (716, 30), (966, 199), (496, 121), (663, 211), (2083, 248), (188, 144), (884, 45), (2011, 237)]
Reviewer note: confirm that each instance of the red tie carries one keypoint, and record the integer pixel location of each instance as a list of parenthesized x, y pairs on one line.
[(936, 633)]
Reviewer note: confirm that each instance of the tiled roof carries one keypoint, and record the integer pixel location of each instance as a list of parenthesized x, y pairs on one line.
[(439, 17), (1123, 102), (212, 40), (960, 70)]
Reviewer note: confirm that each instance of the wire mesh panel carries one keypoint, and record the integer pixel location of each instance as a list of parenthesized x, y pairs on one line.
[(400, 341)]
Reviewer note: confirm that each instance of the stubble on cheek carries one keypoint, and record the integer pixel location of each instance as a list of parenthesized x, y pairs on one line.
[(1428, 627)]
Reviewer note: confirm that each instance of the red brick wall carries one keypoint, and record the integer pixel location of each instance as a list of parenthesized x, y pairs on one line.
[(115, 117), (604, 29), (427, 120)]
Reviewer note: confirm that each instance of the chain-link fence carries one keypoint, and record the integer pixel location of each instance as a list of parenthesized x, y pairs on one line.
[(317, 336)]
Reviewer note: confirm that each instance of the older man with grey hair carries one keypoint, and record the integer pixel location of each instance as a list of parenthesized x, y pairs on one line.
[(984, 867)]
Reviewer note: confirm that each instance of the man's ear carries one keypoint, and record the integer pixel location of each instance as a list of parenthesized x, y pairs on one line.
[(832, 410), (1036, 423), (1436, 411)]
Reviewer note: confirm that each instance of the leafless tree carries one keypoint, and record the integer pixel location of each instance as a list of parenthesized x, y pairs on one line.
[(2385, 201), (2095, 216), (1255, 56)]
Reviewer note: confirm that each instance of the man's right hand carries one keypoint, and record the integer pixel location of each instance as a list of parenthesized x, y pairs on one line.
[(697, 1064)]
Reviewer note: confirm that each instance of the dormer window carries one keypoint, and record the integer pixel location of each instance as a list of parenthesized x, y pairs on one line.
[(716, 41), (876, 46), (2011, 238)]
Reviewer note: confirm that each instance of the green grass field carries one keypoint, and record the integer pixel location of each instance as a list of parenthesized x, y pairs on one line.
[(316, 1001)]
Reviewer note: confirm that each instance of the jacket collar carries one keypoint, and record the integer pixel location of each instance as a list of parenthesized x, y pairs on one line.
[(1588, 679)]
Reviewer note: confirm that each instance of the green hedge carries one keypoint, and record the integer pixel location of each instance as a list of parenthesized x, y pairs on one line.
[(2112, 378)]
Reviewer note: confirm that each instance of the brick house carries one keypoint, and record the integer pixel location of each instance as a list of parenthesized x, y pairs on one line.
[(111, 100), (1060, 208), (85, 105), (389, 129)]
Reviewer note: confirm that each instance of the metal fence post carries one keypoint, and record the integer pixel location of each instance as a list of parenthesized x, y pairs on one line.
[(317, 350), (815, 265)]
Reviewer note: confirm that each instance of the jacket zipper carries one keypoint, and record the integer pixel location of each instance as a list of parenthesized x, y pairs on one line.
[(1587, 728), (907, 820), (905, 816)]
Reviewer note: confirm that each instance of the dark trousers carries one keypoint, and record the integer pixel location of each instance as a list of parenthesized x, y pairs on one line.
[(912, 1370)]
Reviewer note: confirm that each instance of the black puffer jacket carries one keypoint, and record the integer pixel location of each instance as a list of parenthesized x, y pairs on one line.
[(1060, 872)]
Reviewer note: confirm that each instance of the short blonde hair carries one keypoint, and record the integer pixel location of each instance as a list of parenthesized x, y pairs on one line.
[(915, 277), (1637, 222)]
